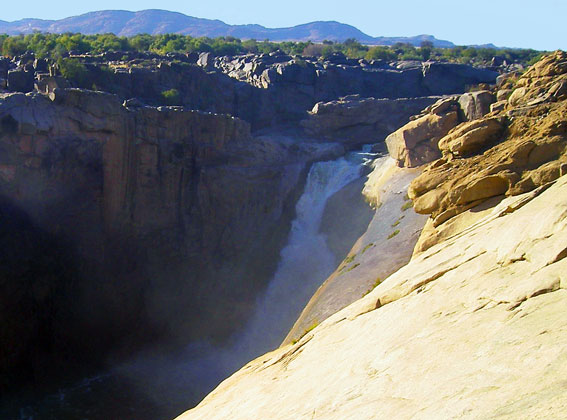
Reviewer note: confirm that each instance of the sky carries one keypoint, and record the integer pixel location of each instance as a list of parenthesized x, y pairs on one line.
[(539, 24)]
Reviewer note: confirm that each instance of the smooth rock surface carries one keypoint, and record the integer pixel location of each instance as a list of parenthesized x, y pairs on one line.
[(472, 328), (416, 142), (386, 246)]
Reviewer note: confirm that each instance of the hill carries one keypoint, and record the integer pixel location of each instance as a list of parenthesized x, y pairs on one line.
[(126, 23)]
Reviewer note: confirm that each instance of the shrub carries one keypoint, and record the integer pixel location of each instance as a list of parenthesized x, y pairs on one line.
[(407, 205), (394, 233), (171, 97), (308, 329), (376, 283), (73, 70)]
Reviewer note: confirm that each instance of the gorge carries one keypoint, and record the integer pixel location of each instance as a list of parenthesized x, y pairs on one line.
[(148, 246)]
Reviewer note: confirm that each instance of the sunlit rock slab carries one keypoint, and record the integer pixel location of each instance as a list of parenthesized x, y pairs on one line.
[(472, 328)]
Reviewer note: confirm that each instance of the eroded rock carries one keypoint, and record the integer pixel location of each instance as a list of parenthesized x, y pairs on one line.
[(511, 151), (416, 143)]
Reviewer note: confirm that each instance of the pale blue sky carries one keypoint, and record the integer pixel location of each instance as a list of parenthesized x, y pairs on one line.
[(539, 24)]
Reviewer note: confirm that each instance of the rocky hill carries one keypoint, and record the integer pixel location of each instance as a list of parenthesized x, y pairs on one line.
[(125, 23), (473, 326)]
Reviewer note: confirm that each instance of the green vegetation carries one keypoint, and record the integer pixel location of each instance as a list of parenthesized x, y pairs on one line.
[(370, 245), (171, 97), (376, 283), (396, 223), (349, 259), (394, 233), (407, 205), (352, 267), (306, 330), (73, 69), (58, 45), (344, 265)]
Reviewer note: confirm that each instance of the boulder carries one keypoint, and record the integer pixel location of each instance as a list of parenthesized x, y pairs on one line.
[(206, 60), (416, 142), (521, 146), (482, 188), (469, 138), (503, 94), (476, 104), (20, 80)]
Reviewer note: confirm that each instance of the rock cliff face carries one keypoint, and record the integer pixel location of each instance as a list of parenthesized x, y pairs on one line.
[(473, 326), (353, 119), (143, 212), (128, 223), (262, 89)]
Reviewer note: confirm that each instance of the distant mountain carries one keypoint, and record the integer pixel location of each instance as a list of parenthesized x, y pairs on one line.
[(125, 23)]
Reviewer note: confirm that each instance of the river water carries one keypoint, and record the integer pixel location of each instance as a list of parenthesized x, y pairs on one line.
[(156, 385)]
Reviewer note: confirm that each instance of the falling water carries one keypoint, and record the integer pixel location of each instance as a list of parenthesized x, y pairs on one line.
[(305, 262), (162, 383)]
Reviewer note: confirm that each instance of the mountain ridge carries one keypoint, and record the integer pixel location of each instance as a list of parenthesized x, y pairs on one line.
[(157, 21)]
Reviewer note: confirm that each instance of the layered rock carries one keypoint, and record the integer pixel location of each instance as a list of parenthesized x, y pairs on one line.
[(263, 89), (155, 212), (416, 142), (472, 328), (357, 120), (508, 152)]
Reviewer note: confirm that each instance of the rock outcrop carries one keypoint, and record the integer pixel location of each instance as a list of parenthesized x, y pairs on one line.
[(384, 247), (473, 326), (416, 142), (264, 89), (356, 120), (508, 152)]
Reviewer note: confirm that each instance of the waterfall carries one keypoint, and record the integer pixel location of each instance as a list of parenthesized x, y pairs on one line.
[(159, 381), (305, 262)]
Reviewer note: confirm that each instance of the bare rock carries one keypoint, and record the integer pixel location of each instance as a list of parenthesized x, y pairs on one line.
[(513, 151), (353, 119), (468, 138), (483, 302), (416, 143), (20, 80), (476, 104)]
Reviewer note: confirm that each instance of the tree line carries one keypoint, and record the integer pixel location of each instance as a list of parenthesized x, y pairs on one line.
[(45, 45)]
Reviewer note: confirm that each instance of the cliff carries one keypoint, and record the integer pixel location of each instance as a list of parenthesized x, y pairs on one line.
[(140, 212), (131, 225), (473, 326), (263, 89)]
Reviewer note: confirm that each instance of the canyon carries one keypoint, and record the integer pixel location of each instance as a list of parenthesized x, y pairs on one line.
[(472, 326), (130, 224)]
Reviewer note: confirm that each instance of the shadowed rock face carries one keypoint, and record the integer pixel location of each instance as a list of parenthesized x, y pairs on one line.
[(263, 89), (151, 216), (147, 214), (354, 119), (472, 328)]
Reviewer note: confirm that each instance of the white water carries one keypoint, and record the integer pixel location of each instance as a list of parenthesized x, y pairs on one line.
[(305, 262)]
